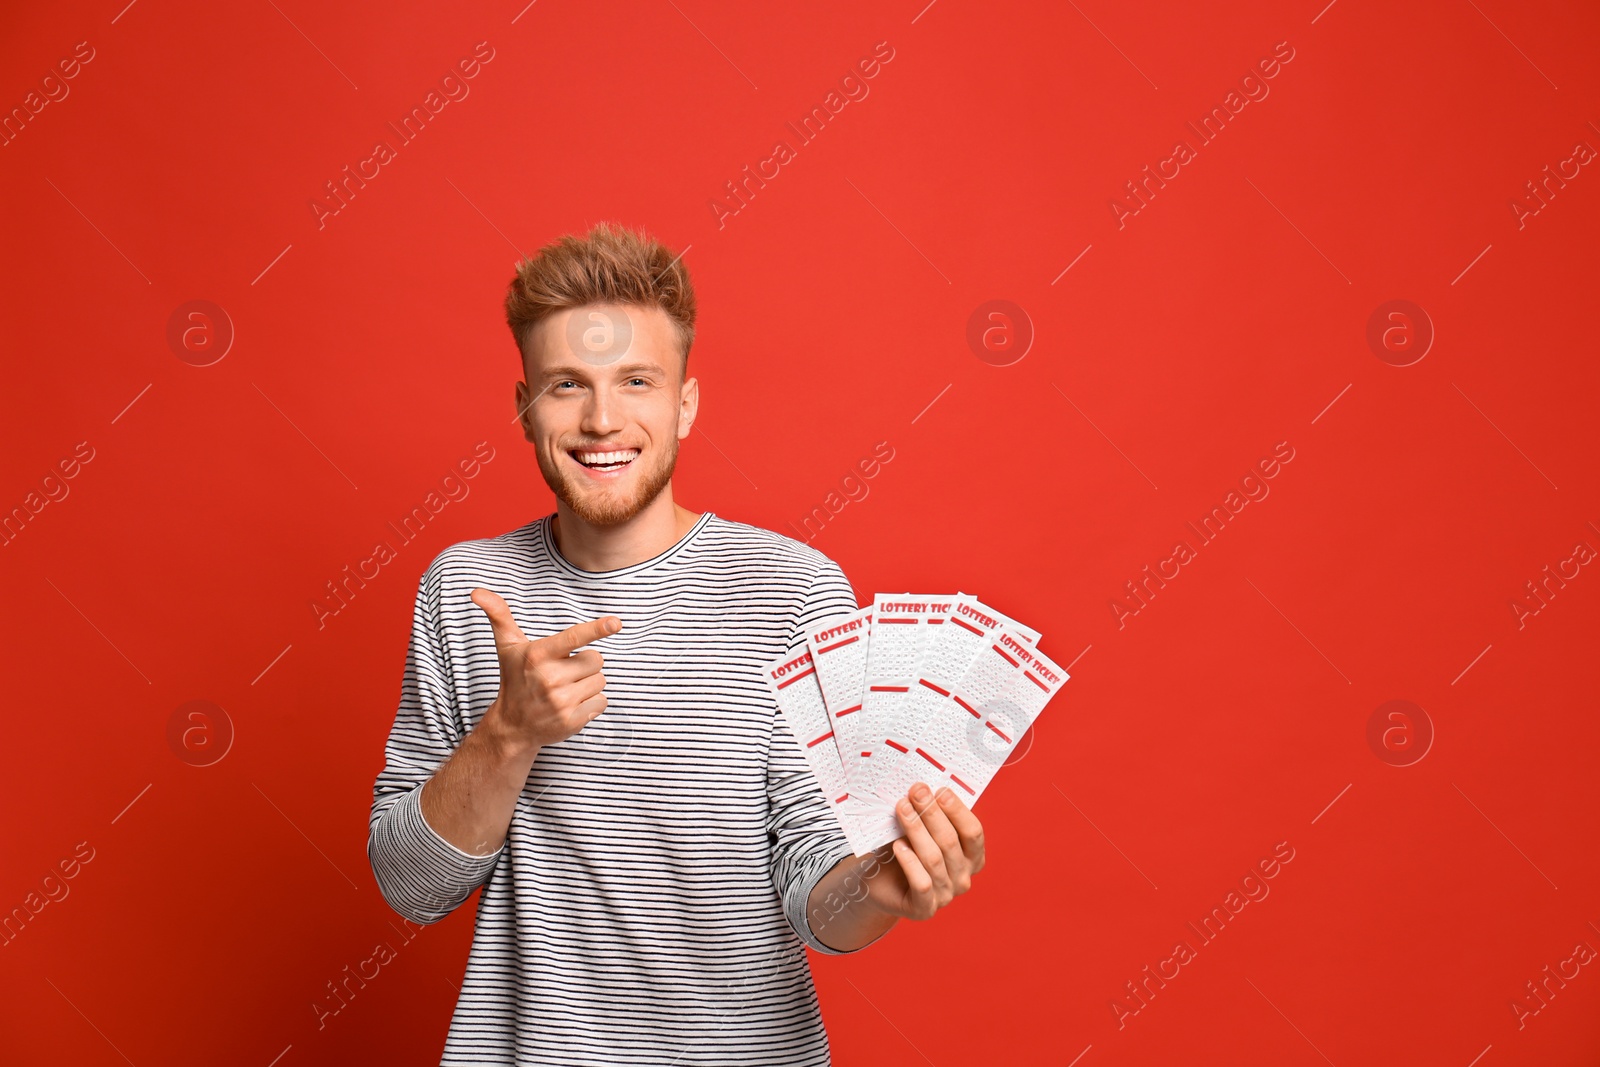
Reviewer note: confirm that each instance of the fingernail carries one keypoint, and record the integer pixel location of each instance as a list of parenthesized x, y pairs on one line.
[(920, 791), (905, 808), (946, 795)]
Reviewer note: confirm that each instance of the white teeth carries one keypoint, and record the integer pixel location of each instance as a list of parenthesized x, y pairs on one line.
[(604, 459)]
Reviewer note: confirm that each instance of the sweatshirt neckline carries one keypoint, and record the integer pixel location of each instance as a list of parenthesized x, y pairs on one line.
[(548, 537)]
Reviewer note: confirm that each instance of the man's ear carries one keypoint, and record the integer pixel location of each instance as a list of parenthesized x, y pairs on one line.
[(524, 414), (688, 406)]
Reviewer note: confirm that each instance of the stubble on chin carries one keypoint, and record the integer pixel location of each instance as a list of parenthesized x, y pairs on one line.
[(606, 507)]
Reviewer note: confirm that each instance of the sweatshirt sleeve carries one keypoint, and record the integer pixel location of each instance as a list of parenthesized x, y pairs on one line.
[(421, 875), (806, 839)]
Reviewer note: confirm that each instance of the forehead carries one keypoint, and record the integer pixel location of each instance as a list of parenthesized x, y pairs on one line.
[(597, 337)]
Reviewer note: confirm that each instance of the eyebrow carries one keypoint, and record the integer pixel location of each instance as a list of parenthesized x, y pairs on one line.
[(571, 370)]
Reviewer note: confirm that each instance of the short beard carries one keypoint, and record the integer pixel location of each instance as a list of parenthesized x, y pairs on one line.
[(600, 507)]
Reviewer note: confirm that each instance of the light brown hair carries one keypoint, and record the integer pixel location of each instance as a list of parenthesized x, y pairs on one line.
[(610, 265)]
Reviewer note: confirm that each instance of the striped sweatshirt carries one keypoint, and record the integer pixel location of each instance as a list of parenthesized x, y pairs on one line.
[(648, 905)]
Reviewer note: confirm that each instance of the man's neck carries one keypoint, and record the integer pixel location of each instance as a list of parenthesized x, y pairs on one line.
[(651, 532)]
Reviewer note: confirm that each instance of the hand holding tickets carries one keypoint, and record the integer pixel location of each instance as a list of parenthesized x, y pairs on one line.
[(912, 688)]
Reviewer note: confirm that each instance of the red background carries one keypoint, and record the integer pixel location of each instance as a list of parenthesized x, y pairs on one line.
[(1225, 317)]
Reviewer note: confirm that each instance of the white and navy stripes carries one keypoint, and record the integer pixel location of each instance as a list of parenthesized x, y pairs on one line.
[(649, 903)]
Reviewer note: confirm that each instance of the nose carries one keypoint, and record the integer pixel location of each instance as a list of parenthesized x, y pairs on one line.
[(599, 414)]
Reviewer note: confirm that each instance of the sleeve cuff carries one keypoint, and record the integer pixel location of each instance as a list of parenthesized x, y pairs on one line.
[(795, 905), (422, 875)]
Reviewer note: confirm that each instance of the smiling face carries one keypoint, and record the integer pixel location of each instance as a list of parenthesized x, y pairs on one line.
[(604, 406)]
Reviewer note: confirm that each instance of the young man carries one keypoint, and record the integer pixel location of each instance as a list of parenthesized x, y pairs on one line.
[(584, 729)]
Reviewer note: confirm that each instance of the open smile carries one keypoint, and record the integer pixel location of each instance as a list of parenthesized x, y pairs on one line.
[(604, 463)]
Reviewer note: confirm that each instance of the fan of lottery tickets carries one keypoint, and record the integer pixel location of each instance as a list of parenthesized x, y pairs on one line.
[(912, 688)]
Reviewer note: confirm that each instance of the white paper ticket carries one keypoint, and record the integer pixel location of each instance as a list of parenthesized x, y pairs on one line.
[(838, 649), (793, 681), (900, 622), (875, 824), (896, 724), (1027, 633), (971, 627), (1001, 694)]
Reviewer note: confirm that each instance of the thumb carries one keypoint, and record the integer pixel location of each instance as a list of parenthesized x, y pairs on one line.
[(506, 631)]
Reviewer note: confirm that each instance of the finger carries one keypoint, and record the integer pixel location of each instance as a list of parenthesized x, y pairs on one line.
[(577, 692), (944, 835), (575, 637), (921, 900), (561, 672), (507, 634), (926, 849), (588, 711), (966, 825)]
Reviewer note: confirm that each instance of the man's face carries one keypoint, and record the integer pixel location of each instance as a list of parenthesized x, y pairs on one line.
[(604, 406)]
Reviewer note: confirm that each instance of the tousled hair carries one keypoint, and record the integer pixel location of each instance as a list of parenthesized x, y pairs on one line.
[(609, 265)]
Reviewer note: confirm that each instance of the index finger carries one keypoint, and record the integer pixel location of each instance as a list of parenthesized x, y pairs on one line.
[(968, 828), (575, 637)]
